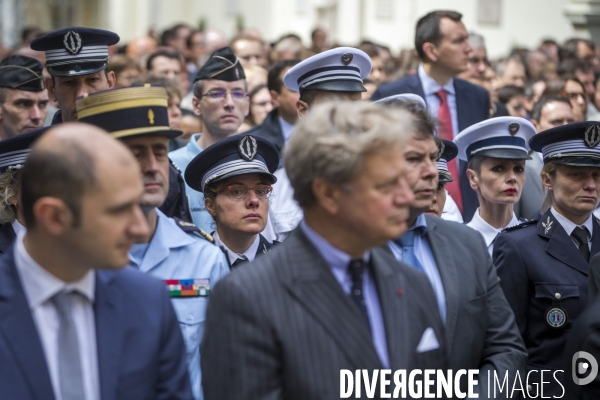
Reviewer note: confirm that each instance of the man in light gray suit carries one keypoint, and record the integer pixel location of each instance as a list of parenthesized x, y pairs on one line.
[(327, 299), (481, 332), (548, 112)]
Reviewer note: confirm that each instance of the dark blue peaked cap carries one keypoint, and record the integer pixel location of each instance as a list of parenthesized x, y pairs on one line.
[(15, 150), (236, 155), (76, 50)]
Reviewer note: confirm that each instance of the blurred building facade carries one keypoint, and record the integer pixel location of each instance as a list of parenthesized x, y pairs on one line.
[(504, 23)]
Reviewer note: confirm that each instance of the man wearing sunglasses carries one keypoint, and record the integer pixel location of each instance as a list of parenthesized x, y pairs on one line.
[(221, 101)]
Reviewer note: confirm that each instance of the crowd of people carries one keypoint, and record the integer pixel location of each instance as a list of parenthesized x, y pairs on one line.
[(301, 211)]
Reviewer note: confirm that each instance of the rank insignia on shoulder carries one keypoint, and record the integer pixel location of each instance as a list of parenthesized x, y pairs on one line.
[(521, 225), (188, 287), (193, 229)]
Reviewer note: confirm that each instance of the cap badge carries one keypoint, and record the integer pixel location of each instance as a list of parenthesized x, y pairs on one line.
[(248, 147), (347, 58), (591, 137), (72, 42), (513, 128), (151, 117), (441, 147)]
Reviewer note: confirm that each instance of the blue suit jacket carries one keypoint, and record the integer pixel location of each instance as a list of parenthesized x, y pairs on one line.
[(472, 106), (141, 354)]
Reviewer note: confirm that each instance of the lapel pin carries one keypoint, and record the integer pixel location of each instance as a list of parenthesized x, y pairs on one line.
[(400, 292)]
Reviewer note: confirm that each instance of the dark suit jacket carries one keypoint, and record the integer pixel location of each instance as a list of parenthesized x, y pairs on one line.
[(535, 263), (481, 332), (282, 327), (7, 237), (141, 354), (585, 336), (270, 129), (472, 106)]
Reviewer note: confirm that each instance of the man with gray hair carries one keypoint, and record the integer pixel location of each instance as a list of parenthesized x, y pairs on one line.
[(478, 59), (352, 299)]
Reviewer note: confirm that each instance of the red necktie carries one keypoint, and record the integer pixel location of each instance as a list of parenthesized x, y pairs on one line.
[(445, 132)]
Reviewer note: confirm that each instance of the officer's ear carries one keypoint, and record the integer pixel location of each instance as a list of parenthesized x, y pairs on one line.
[(327, 194), (301, 108), (112, 79), (196, 106), (210, 206), (473, 179), (50, 87), (274, 98), (430, 51), (53, 215)]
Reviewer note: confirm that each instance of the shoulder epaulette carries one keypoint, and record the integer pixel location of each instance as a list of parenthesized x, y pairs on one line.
[(522, 225), (190, 228)]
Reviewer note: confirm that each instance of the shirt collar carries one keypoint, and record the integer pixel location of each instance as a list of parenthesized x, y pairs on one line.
[(568, 225), (17, 227), (488, 232), (232, 256), (431, 87), (336, 258), (286, 128), (40, 285), (192, 146)]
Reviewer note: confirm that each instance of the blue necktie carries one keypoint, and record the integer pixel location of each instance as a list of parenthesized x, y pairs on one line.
[(407, 242)]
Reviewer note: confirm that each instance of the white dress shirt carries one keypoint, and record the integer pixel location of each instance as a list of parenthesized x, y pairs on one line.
[(488, 232), (17, 227), (569, 226), (451, 211), (232, 256), (40, 286), (430, 88)]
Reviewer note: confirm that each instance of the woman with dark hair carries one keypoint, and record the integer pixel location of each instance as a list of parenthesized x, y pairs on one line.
[(496, 150), (260, 106), (543, 265), (235, 176)]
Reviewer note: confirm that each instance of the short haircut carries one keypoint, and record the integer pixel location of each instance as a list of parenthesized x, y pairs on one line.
[(167, 53), (334, 139), (120, 62), (244, 36), (167, 36), (476, 40), (569, 48), (274, 78), (571, 65), (370, 49), (536, 111), (68, 173), (474, 163), (172, 85), (501, 65), (423, 124), (506, 93), (308, 96), (428, 29)]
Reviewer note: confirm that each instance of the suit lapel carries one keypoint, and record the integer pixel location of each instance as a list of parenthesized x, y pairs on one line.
[(595, 237), (444, 258), (17, 326), (417, 87), (310, 281), (560, 245), (393, 306), (108, 335), (462, 106)]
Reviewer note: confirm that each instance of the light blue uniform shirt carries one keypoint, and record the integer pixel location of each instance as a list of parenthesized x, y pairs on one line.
[(175, 254), (338, 262), (181, 158), (425, 256)]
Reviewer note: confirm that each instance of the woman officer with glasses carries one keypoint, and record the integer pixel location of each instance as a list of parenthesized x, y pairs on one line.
[(235, 176)]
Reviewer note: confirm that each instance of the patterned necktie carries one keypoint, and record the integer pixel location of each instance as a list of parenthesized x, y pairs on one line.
[(69, 359), (407, 242), (356, 270), (581, 236), (445, 132)]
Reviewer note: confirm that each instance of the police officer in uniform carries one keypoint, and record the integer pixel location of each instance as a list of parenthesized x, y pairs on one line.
[(496, 150), (76, 59), (235, 175), (543, 265), (13, 153), (176, 251), (447, 151)]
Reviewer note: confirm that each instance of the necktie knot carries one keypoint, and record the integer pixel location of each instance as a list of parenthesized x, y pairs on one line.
[(442, 95), (580, 234), (408, 239), (63, 301)]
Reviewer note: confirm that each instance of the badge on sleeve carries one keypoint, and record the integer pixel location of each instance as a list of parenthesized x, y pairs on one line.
[(188, 287)]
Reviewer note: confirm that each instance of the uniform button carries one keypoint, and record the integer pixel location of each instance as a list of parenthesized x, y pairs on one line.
[(557, 295), (190, 317), (357, 292)]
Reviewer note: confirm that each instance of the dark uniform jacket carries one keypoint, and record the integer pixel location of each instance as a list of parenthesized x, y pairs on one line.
[(7, 237), (264, 247), (472, 106), (270, 129), (545, 280)]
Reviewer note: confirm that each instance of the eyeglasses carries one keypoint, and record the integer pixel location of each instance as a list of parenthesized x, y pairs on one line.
[(240, 192), (219, 95)]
